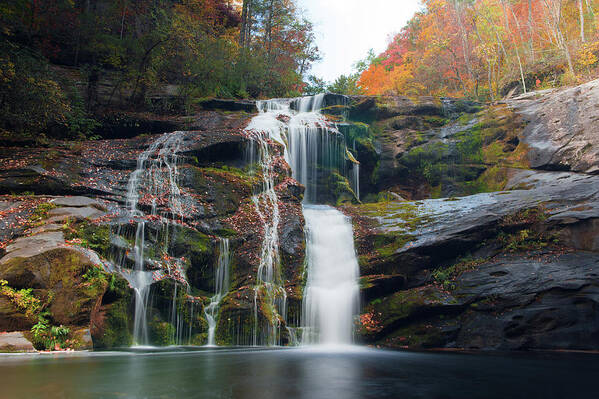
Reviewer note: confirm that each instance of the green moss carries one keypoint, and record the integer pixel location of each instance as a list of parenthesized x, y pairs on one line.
[(384, 313), (423, 335), (40, 213), (401, 216), (90, 236), (228, 172), (340, 189), (117, 324), (223, 188), (388, 244), (196, 245), (23, 299), (446, 276), (235, 321), (435, 121), (161, 332)]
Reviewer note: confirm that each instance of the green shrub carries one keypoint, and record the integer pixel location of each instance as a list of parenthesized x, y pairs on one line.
[(23, 299)]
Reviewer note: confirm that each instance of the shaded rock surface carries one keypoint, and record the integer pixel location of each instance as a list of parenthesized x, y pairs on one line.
[(529, 279), (496, 248)]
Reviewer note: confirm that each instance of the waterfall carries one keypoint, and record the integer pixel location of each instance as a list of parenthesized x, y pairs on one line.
[(314, 148), (355, 180), (331, 295), (221, 287), (269, 290), (152, 184)]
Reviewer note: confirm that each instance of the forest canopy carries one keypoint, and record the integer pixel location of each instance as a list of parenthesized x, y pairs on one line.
[(122, 52)]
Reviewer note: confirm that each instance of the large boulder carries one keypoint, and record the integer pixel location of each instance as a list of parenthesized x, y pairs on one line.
[(505, 270), (562, 126), (57, 273), (15, 342)]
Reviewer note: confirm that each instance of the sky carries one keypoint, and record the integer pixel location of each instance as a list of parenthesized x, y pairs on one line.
[(347, 29)]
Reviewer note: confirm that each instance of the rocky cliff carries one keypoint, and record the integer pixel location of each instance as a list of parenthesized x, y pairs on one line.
[(478, 227), (497, 244)]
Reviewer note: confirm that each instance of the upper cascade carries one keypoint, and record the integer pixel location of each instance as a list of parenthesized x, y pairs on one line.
[(314, 147)]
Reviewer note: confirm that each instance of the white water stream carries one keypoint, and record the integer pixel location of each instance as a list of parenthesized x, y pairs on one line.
[(155, 178), (312, 144), (331, 295), (221, 287)]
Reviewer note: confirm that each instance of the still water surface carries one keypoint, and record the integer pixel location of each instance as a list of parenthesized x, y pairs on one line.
[(297, 373)]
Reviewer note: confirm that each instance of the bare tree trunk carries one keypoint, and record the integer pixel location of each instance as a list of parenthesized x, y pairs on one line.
[(244, 21), (268, 29), (530, 32), (248, 25), (555, 10), (489, 69), (457, 9), (142, 67), (510, 33), (581, 12), (590, 8), (123, 19)]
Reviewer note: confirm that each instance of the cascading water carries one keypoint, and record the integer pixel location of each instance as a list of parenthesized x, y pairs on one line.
[(221, 287), (331, 295), (154, 183), (312, 145), (269, 288)]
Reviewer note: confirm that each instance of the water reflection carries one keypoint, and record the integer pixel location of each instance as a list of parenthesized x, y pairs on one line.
[(297, 373)]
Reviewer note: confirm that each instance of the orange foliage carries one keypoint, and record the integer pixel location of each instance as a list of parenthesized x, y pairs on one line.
[(479, 48)]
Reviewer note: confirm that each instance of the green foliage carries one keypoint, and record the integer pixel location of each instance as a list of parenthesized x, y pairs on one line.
[(50, 337), (346, 84), (161, 332), (31, 99), (446, 276), (314, 85), (96, 277), (36, 101), (41, 327), (138, 48), (470, 145), (427, 160), (526, 240), (40, 213), (89, 236), (116, 328), (23, 299)]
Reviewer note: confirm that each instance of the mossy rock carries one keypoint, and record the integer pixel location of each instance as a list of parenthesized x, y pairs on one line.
[(92, 236), (162, 333), (198, 249), (112, 325), (389, 313), (236, 320), (60, 277), (221, 189)]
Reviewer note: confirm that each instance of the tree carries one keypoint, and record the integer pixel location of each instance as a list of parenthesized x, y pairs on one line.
[(346, 84)]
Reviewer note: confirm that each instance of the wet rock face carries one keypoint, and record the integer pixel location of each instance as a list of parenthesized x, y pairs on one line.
[(48, 241), (58, 275)]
